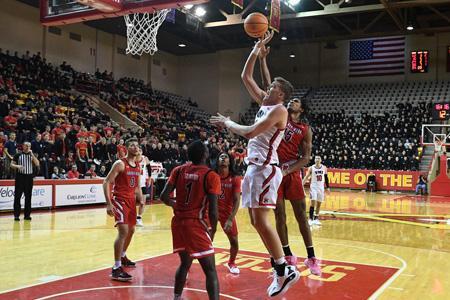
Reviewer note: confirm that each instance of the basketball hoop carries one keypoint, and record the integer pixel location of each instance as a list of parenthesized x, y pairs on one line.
[(142, 29)]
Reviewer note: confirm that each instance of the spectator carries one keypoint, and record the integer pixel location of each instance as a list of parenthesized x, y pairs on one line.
[(9, 151), (56, 174), (73, 174), (421, 185), (103, 172), (91, 172), (121, 149)]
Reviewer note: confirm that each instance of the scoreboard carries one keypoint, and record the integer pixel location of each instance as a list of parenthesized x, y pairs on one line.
[(441, 111), (419, 61)]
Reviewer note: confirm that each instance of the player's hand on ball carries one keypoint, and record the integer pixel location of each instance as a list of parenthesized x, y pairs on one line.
[(109, 210), (219, 120), (265, 39)]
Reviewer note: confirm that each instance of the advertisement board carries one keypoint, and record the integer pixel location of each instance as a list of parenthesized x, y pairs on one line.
[(386, 180), (40, 197), (77, 194)]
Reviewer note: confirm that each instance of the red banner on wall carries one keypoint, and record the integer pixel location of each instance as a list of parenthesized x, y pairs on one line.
[(275, 13), (386, 180), (238, 3)]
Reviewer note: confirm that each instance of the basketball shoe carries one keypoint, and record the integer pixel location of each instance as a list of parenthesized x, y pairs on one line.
[(291, 260), (139, 222), (233, 269), (128, 263), (281, 284), (120, 275), (313, 265)]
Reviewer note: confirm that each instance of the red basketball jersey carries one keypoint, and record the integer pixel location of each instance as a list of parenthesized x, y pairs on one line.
[(290, 144), (230, 185), (192, 183), (127, 181)]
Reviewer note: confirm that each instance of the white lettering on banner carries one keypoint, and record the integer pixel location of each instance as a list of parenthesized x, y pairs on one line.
[(41, 196), (76, 194)]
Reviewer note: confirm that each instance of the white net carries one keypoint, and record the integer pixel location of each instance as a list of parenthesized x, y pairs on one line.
[(142, 29)]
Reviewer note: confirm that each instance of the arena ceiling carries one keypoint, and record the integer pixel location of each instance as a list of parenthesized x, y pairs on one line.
[(311, 20)]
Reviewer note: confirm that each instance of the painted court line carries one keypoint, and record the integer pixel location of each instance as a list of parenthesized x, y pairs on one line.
[(129, 287), (395, 288)]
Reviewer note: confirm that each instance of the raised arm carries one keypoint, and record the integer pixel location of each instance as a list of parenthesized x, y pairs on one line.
[(264, 69), (253, 89), (117, 167), (277, 117), (305, 150)]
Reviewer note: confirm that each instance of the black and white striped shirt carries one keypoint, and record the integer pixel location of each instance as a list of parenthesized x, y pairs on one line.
[(26, 161)]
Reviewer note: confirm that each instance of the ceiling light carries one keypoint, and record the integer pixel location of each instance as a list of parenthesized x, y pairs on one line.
[(410, 27), (181, 45), (294, 2), (292, 55), (200, 11), (348, 1), (284, 38), (189, 6)]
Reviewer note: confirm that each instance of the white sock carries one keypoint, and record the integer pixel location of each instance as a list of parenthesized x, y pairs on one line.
[(117, 264), (124, 254), (280, 261)]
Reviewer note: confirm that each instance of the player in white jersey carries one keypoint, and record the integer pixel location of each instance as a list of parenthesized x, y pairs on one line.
[(319, 178), (263, 176), (144, 163)]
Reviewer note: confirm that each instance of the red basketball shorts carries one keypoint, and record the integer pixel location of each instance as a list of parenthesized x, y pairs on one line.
[(191, 235), (291, 187), (124, 211)]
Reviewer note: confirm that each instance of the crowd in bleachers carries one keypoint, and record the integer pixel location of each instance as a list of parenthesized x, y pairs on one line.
[(388, 142), (74, 140)]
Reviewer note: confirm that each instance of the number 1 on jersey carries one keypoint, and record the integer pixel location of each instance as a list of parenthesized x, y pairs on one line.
[(188, 196)]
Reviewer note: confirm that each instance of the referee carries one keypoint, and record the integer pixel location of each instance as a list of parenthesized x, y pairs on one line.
[(23, 162)]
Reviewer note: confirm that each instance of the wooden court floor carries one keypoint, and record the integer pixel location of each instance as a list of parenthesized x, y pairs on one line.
[(372, 246)]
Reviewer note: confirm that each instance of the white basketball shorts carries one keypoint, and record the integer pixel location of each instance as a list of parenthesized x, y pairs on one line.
[(317, 194), (260, 186)]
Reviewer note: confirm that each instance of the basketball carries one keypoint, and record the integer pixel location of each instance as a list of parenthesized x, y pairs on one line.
[(256, 25)]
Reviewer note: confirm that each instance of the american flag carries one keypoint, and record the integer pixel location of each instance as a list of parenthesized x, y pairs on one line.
[(377, 57)]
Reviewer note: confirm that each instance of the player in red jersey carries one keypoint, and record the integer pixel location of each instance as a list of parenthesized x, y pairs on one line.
[(229, 205), (294, 152), (195, 220), (124, 176)]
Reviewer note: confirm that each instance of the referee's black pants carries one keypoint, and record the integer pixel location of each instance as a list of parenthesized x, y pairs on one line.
[(23, 185)]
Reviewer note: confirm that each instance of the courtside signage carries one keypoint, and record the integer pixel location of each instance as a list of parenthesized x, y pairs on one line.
[(78, 194), (41, 197)]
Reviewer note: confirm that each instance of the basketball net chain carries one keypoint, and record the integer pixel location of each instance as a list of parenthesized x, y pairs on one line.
[(142, 29)]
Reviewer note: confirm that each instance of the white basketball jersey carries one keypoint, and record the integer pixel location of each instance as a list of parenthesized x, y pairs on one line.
[(262, 149), (318, 176), (144, 172)]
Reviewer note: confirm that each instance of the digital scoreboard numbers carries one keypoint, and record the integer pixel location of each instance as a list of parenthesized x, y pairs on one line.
[(419, 61), (441, 111)]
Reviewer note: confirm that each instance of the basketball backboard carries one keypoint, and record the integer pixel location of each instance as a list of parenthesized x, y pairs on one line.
[(61, 12), (435, 133)]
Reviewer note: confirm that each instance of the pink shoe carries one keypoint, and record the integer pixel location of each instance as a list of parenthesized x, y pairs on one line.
[(313, 265), (291, 260)]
